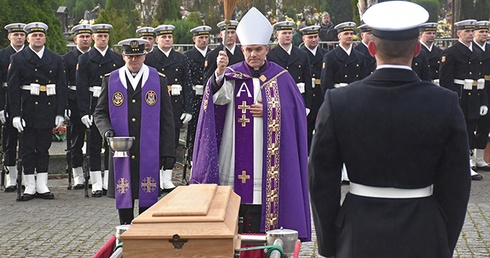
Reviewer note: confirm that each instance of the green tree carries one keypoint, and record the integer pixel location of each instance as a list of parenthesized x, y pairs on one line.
[(194, 18), (181, 32), (168, 10), (340, 11), (124, 18), (432, 6)]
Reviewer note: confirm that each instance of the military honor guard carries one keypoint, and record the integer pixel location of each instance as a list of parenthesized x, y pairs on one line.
[(83, 40), (234, 52), (37, 97), (433, 52), (344, 64), (483, 127), (461, 72), (134, 102), (197, 56), (177, 69), (91, 68), (366, 37), (404, 143), (315, 55), (292, 59), (148, 34), (17, 37)]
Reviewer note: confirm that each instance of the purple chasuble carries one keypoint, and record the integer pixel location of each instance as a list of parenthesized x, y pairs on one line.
[(285, 200), (149, 140)]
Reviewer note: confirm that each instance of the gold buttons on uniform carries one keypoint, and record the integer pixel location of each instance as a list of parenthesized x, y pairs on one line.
[(50, 71), (177, 69), (49, 103), (163, 69), (36, 103), (133, 157), (133, 119), (345, 76), (299, 66), (357, 65), (100, 76), (37, 80), (134, 101), (471, 73), (35, 69)]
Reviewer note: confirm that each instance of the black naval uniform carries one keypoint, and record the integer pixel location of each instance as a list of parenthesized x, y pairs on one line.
[(370, 60), (70, 60), (390, 130), (92, 67), (434, 57), (197, 70), (316, 62), (483, 126), (420, 65), (167, 147), (298, 65), (338, 67), (9, 133), (176, 68), (38, 111), (459, 62), (210, 63)]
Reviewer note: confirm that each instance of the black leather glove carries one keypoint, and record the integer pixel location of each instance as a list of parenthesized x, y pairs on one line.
[(108, 133), (168, 162)]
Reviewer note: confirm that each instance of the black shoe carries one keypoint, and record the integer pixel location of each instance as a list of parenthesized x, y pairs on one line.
[(474, 168), (48, 195), (78, 187), (484, 168), (167, 190), (104, 192), (10, 189), (26, 197), (97, 194), (345, 182), (477, 177)]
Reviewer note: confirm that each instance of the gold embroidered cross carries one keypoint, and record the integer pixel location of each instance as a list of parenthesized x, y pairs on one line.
[(244, 120), (148, 184), (273, 102), (243, 107), (244, 177), (274, 126), (122, 185)]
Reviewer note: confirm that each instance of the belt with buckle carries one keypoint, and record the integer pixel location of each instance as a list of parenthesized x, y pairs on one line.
[(42, 88), (389, 192), (72, 87)]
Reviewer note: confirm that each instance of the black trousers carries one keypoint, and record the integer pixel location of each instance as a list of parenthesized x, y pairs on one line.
[(77, 134), (34, 144), (9, 143), (95, 147), (482, 130), (127, 215)]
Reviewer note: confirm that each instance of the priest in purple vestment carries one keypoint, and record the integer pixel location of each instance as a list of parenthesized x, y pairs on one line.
[(251, 133), (135, 102)]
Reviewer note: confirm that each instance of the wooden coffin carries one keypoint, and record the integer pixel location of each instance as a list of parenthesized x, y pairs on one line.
[(191, 221)]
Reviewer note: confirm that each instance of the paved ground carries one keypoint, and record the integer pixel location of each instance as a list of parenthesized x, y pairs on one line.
[(74, 226)]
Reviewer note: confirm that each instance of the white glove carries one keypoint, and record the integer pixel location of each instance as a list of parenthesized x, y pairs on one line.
[(67, 113), (18, 123), (186, 117), (58, 121), (307, 111), (87, 120), (3, 119), (483, 110)]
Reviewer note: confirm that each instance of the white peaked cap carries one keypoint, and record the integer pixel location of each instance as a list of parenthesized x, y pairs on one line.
[(254, 29)]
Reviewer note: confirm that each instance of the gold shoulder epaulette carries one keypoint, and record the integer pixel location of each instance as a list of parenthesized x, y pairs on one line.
[(161, 74)]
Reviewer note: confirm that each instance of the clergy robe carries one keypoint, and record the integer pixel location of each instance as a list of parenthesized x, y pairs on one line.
[(263, 158)]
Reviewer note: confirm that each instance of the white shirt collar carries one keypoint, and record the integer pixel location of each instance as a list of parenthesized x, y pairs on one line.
[(203, 52), (482, 47), (40, 53), (393, 66), (17, 50), (102, 52), (348, 51), (166, 53), (143, 73), (313, 51), (287, 50), (232, 50), (82, 51), (470, 47), (429, 48)]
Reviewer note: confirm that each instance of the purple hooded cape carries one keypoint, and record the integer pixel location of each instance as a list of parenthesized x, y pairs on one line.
[(286, 181)]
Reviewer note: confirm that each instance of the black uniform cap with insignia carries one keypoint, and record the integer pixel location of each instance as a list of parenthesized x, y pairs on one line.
[(469, 24), (36, 27), (231, 26), (364, 28), (200, 30), (81, 28), (482, 25), (310, 30), (283, 25), (15, 27), (428, 26), (345, 26), (395, 20), (101, 28), (146, 31), (133, 46)]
